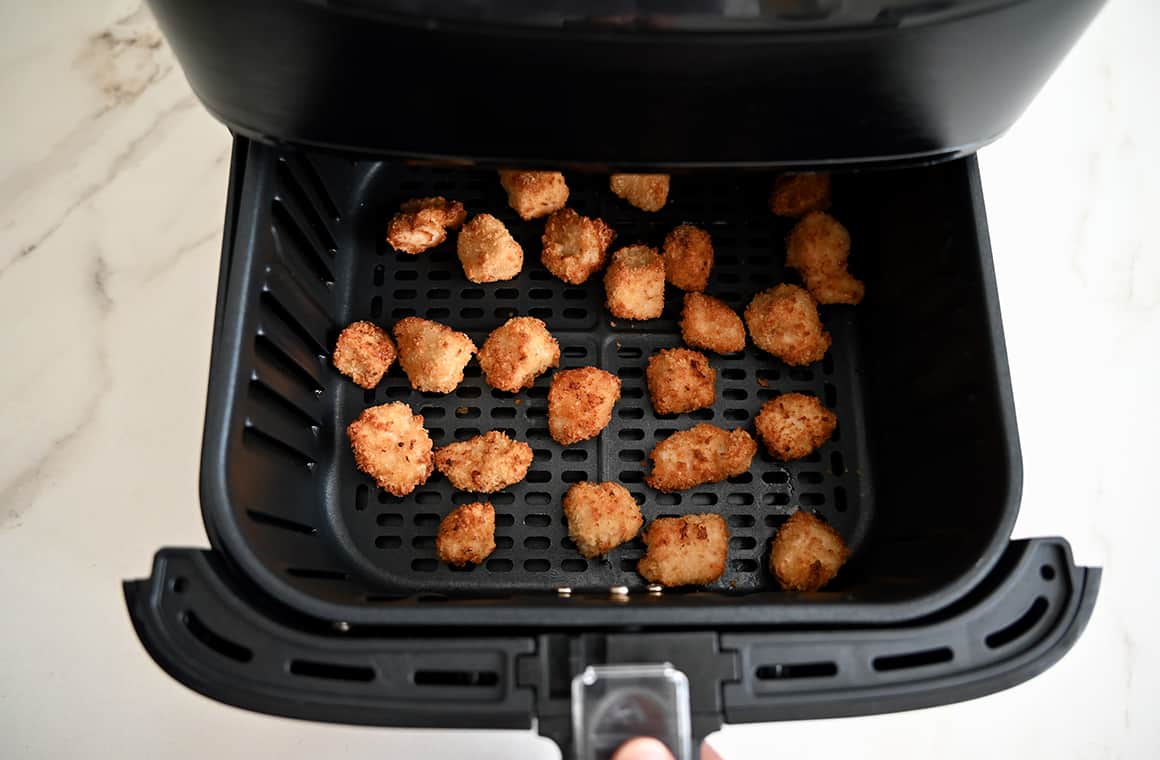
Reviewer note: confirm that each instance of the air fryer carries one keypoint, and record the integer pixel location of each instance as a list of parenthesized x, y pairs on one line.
[(320, 596)]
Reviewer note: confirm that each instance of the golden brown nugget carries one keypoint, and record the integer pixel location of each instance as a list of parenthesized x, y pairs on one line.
[(793, 425), (364, 352), (806, 553), (487, 250), (432, 354), (648, 192), (702, 454), (422, 223), (818, 247), (391, 445), (784, 321), (634, 284), (709, 323), (688, 257), (575, 247), (466, 534), (684, 551), (486, 463), (517, 352), (680, 380), (534, 194), (580, 403), (797, 194), (601, 517)]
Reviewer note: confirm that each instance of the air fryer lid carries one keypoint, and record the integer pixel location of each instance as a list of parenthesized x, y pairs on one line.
[(627, 84)]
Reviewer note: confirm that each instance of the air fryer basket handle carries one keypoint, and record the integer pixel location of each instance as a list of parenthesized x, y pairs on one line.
[(221, 639)]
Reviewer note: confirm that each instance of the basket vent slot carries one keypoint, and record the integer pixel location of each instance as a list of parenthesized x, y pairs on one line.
[(265, 518), (332, 671), (214, 640), (483, 678), (783, 671), (1021, 626), (913, 659)]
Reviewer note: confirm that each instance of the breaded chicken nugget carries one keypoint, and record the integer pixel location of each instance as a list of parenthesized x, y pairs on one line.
[(486, 463), (784, 321), (793, 425), (703, 454), (432, 354), (391, 445), (575, 247), (797, 194), (806, 553), (709, 323), (534, 194), (422, 223), (601, 517), (684, 551), (648, 192), (487, 250), (466, 534), (580, 403), (818, 247), (680, 380), (364, 352), (517, 352), (634, 284), (688, 256)]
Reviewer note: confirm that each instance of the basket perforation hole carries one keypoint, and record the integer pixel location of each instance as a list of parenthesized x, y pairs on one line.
[(426, 520), (402, 312), (471, 294), (574, 476), (630, 434), (574, 566), (432, 412), (504, 542), (504, 520), (630, 413), (462, 434), (667, 499), (840, 499), (391, 519), (630, 373), (800, 374), (775, 477), (702, 414), (736, 415), (406, 275), (703, 499), (471, 313), (423, 542), (808, 477), (537, 565), (739, 499), (369, 396), (503, 413), (376, 307), (499, 565), (405, 294), (361, 496), (631, 455), (742, 543), (438, 313), (743, 565), (735, 394), (574, 455), (742, 521), (507, 294), (436, 294), (837, 463), (743, 478), (632, 392), (537, 520), (733, 373), (574, 294), (775, 498), (388, 542), (424, 565), (537, 543), (628, 565), (830, 394), (631, 476), (1047, 572)]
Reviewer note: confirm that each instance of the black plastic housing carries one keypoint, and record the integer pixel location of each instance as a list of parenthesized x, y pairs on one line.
[(628, 84)]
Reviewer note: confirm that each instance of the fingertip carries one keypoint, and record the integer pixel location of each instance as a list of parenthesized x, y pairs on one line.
[(643, 748)]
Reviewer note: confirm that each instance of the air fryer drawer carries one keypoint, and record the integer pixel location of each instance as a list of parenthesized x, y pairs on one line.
[(922, 477)]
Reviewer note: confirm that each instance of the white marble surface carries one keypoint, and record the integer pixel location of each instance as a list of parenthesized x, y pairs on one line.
[(112, 187)]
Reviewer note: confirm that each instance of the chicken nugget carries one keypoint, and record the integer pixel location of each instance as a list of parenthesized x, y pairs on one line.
[(466, 534), (634, 284), (648, 192), (534, 194), (580, 403), (702, 454), (818, 247), (784, 321), (364, 352), (517, 352), (806, 553), (680, 380), (684, 551), (432, 354), (793, 425), (797, 194), (486, 463), (391, 445), (575, 247), (688, 257), (709, 323), (601, 517), (487, 250), (422, 223)]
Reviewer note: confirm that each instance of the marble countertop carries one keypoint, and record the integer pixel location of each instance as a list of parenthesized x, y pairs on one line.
[(112, 190)]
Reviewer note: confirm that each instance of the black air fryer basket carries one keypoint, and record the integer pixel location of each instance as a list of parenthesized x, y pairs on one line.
[(321, 597)]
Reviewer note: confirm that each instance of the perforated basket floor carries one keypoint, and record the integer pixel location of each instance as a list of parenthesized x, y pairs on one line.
[(324, 264)]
